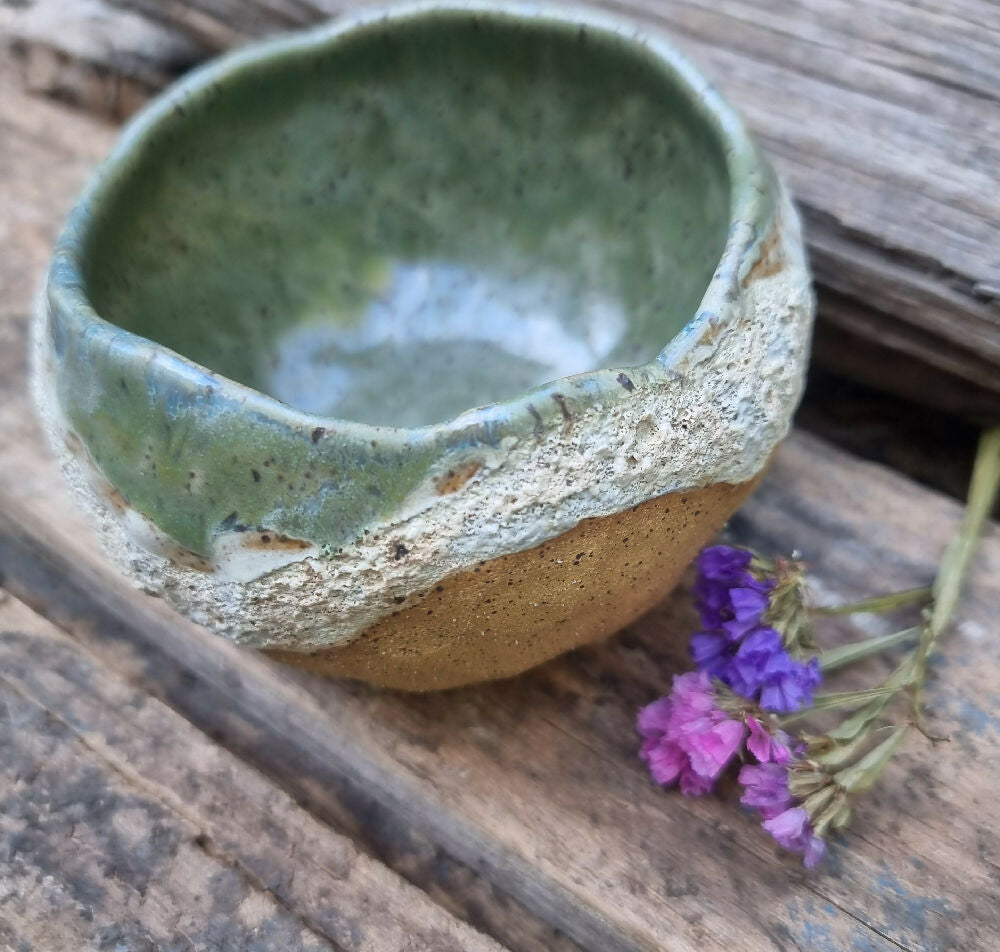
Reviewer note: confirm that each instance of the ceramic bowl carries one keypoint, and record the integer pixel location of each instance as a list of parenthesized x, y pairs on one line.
[(428, 344)]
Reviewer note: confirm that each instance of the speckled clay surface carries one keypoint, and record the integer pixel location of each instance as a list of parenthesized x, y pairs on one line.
[(521, 609), (270, 311)]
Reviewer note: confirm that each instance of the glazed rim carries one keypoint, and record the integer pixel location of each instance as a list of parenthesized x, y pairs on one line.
[(751, 205)]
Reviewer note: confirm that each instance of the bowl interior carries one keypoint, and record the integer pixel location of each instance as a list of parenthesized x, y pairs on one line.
[(418, 217)]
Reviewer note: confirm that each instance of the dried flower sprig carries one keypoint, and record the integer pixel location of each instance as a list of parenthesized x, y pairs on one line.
[(757, 671)]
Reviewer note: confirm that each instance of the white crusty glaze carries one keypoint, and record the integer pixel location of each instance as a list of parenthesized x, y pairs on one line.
[(727, 404)]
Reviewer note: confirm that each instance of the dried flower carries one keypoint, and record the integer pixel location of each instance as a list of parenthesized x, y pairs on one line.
[(766, 789), (758, 668), (723, 563), (687, 739), (788, 685), (794, 832), (767, 746), (734, 597), (756, 657), (730, 598)]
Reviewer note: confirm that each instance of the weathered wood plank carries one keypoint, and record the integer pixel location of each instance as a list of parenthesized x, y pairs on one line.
[(220, 24), (535, 783), (122, 825), (884, 120), (106, 60)]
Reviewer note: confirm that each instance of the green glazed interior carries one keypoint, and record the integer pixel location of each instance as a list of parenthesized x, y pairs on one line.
[(431, 214)]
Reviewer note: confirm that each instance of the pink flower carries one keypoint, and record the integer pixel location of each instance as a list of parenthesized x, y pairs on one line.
[(765, 746), (711, 750), (686, 738)]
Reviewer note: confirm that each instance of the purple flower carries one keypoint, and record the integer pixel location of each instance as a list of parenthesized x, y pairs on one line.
[(736, 646), (748, 606), (712, 653), (766, 789), (710, 750), (758, 668), (723, 563), (729, 598), (788, 685), (686, 738), (793, 831), (768, 747), (755, 652)]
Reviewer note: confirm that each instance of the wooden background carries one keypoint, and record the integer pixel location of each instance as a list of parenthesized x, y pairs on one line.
[(160, 789)]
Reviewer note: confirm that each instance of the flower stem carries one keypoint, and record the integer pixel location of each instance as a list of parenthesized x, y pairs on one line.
[(856, 650), (983, 489), (879, 603), (860, 776)]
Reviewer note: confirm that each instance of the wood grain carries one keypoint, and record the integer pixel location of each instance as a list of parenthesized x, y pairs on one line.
[(122, 825), (46, 151), (530, 791), (883, 119), (106, 60)]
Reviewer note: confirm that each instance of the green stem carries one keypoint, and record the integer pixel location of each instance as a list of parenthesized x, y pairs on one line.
[(856, 650), (858, 723), (983, 489), (878, 603), (901, 678), (841, 699), (860, 776)]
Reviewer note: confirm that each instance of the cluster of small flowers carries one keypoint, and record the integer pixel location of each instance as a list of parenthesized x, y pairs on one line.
[(737, 646), (689, 740), (755, 659), (690, 737)]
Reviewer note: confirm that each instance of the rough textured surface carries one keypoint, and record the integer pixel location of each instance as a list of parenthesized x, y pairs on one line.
[(46, 150), (534, 782), (280, 529), (124, 827), (511, 613), (87, 53), (601, 463), (850, 108)]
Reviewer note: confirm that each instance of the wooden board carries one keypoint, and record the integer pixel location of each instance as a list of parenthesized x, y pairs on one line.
[(122, 825), (522, 806), (106, 60)]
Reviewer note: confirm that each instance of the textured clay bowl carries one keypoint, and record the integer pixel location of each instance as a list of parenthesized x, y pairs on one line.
[(269, 315)]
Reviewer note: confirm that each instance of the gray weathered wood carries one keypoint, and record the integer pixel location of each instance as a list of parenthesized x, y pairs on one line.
[(123, 826), (220, 24), (104, 59), (534, 783)]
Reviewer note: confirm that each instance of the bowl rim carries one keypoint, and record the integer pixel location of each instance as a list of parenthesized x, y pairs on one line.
[(752, 197)]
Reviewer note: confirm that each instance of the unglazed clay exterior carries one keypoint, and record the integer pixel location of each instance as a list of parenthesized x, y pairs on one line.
[(269, 311)]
